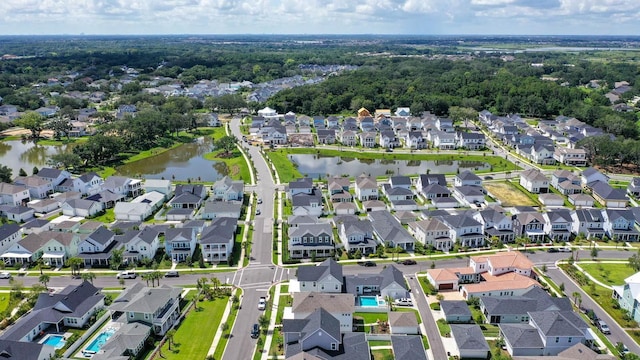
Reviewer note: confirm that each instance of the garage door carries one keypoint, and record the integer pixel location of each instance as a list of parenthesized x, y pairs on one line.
[(445, 286)]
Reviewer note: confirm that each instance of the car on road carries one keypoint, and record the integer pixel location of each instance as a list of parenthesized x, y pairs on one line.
[(403, 302), (259, 200), (255, 331), (624, 350), (367, 263), (5, 275), (258, 212), (488, 177), (564, 249), (262, 303), (126, 275), (172, 273), (604, 328), (409, 262)]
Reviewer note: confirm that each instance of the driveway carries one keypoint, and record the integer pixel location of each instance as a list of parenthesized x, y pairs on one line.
[(433, 334)]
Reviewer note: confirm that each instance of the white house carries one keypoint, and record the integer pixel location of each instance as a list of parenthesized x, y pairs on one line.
[(366, 188), (81, 207), (132, 211), (14, 194), (216, 241), (534, 181), (161, 186), (180, 243), (39, 188)]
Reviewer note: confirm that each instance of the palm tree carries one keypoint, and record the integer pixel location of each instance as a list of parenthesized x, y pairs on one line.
[(389, 301), (44, 279), (170, 334), (40, 264), (575, 296), (146, 277), (74, 263), (88, 276), (263, 321), (216, 283)]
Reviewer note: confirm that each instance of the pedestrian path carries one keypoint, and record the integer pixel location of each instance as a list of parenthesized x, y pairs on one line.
[(219, 332), (272, 323)]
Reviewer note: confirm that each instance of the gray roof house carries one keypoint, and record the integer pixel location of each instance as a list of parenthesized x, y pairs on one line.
[(309, 239), (97, 247), (125, 343), (158, 307), (515, 309), (20, 350), (470, 341), (467, 177), (403, 322), (388, 230), (214, 209), (227, 189), (456, 311), (408, 347), (324, 277), (389, 282), (216, 241)]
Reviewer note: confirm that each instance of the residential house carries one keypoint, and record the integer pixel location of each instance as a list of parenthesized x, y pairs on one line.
[(591, 175), (456, 311), (89, 183), (180, 243), (326, 136), (139, 244), (551, 200), (106, 198), (307, 204), (470, 140), (397, 193), (302, 339), (9, 235), (217, 239), (339, 189), (161, 186), (139, 211), (608, 196), (311, 240), (216, 209), (125, 110), (435, 191), (558, 224), (325, 277), (301, 186), (124, 186), (546, 334), (16, 213), (633, 188), (530, 225), (72, 307), (407, 346), (81, 207), (464, 230), (566, 182), (54, 176), (425, 180), (388, 139), (389, 282), (404, 322), (496, 224), (347, 137), (96, 249), (43, 206), (366, 188), (53, 247), (388, 230), (152, 198), (14, 194), (467, 178), (158, 307), (340, 306), (403, 112), (432, 232), (39, 188), (571, 157), (35, 226), (581, 200), (187, 201), (469, 341), (21, 350), (470, 195), (515, 309), (443, 140), (534, 181), (415, 140), (194, 189), (368, 139), (128, 341), (619, 225), (628, 295), (227, 189), (357, 235), (542, 153), (445, 125)]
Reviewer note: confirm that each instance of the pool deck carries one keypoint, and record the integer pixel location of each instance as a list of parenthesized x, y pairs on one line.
[(108, 325), (46, 336)]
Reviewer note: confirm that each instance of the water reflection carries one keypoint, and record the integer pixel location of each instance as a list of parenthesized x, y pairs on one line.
[(17, 154)]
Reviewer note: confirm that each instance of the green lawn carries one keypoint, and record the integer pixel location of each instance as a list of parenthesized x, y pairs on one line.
[(379, 343), (108, 217), (610, 274), (286, 169), (236, 167), (193, 340), (222, 344), (443, 327), (370, 318), (381, 354)]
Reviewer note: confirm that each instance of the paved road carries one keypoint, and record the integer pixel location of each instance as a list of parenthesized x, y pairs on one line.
[(617, 333), (432, 332)]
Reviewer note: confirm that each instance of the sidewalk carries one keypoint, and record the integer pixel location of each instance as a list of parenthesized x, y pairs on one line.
[(272, 323), (216, 338)]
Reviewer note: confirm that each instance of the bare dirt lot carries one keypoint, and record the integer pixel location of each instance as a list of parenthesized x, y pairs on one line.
[(508, 194)]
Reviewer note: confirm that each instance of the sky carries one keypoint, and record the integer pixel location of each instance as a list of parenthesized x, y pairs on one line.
[(428, 17)]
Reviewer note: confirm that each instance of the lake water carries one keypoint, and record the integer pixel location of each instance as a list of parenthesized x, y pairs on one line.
[(180, 163), (318, 166), (17, 154)]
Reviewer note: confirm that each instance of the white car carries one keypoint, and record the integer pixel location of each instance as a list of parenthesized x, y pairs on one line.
[(126, 275), (262, 303), (5, 275), (403, 302)]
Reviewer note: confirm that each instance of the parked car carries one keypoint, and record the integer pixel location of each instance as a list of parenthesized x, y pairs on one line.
[(552, 250), (172, 273), (5, 275), (564, 249), (403, 302), (604, 328), (409, 262), (624, 350), (262, 303), (367, 263), (126, 275), (258, 212), (259, 200), (255, 331)]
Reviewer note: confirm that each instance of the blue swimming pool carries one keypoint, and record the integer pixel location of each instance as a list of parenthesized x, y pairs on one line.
[(57, 341), (368, 301), (99, 341)]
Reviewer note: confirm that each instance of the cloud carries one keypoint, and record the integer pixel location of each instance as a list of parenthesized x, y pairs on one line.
[(319, 16)]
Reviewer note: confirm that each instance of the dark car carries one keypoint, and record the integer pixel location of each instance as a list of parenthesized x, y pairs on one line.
[(368, 263), (172, 273), (255, 331), (552, 250), (409, 262)]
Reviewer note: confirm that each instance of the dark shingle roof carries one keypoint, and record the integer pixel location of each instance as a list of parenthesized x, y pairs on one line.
[(521, 336), (455, 307), (10, 229), (320, 271), (469, 337), (408, 347)]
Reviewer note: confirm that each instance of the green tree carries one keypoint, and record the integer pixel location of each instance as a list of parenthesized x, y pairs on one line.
[(228, 103), (561, 287), (44, 279), (88, 276), (74, 263), (594, 252), (116, 258), (5, 174), (634, 261), (263, 321), (22, 172), (31, 121), (169, 335), (65, 160), (60, 127), (226, 143), (35, 170)]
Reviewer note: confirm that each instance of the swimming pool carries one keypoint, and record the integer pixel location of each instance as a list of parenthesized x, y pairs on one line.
[(57, 341), (368, 301), (99, 341)]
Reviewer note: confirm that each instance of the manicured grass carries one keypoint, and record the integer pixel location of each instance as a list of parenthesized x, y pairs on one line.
[(610, 274), (370, 318), (63, 141), (381, 354), (108, 217), (193, 340), (222, 344), (379, 343), (285, 168), (237, 167), (443, 327), (509, 194), (4, 301)]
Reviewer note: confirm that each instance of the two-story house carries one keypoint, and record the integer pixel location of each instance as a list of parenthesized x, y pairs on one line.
[(608, 196), (180, 243), (619, 225), (467, 178), (139, 244), (571, 157), (216, 241), (530, 225), (54, 176), (340, 306), (96, 249), (465, 230), (368, 139), (357, 235), (558, 224), (496, 225), (432, 232), (311, 240), (443, 140), (588, 222), (9, 235), (39, 188), (121, 185), (566, 182), (89, 183), (227, 189), (14, 194), (366, 188), (388, 230), (325, 277), (470, 141), (534, 181)]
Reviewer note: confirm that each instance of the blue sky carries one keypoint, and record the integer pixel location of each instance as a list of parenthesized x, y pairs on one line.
[(538, 17)]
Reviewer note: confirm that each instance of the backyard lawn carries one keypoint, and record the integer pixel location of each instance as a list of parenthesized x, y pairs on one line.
[(192, 340), (370, 318), (509, 194), (610, 274)]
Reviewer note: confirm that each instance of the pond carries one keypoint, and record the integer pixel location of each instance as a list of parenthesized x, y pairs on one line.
[(17, 154), (317, 166), (180, 163)]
